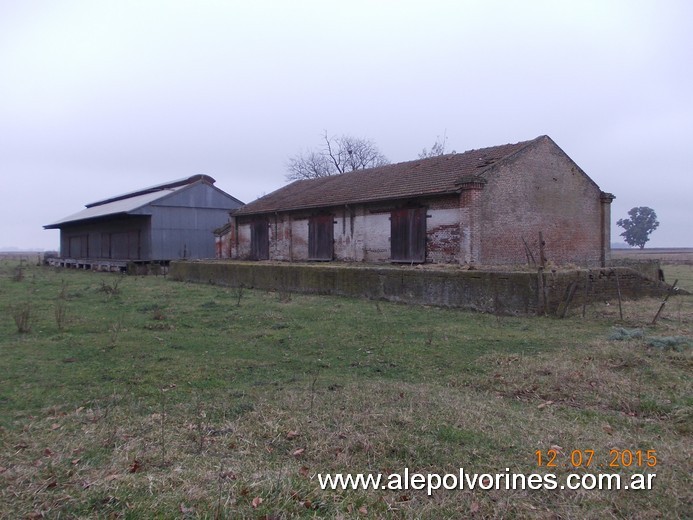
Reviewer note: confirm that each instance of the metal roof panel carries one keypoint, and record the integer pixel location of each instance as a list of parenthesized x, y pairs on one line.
[(119, 206)]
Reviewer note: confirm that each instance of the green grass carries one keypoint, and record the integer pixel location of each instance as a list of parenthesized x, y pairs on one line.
[(683, 273), (140, 397)]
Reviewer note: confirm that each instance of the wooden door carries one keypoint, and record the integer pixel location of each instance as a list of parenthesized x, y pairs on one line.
[(259, 240), (408, 235), (321, 237)]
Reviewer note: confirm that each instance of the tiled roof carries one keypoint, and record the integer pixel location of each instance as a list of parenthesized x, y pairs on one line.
[(432, 176)]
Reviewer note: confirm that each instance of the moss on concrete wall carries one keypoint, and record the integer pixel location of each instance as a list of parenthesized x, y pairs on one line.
[(507, 293), (593, 285), (648, 268), (487, 291)]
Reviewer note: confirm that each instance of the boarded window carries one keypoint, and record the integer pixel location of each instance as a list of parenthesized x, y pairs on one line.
[(259, 240), (408, 235), (321, 237)]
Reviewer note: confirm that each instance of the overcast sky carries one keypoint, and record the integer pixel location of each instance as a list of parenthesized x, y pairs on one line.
[(99, 98)]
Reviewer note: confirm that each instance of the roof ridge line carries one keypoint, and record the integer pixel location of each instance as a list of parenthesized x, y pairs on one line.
[(431, 176), (152, 189)]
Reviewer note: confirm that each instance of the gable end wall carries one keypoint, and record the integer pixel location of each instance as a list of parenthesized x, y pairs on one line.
[(540, 190)]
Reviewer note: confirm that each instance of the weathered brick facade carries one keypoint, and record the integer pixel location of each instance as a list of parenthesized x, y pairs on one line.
[(542, 190), (486, 207)]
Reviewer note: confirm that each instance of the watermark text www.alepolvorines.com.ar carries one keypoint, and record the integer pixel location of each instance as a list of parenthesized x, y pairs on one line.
[(462, 480)]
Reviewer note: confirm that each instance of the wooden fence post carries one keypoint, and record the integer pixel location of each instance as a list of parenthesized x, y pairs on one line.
[(542, 292), (618, 289), (542, 256), (669, 293)]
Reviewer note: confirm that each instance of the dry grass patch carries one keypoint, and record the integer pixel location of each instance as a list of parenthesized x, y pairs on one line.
[(257, 454), (625, 377)]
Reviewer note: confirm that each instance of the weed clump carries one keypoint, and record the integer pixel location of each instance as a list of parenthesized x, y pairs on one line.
[(677, 343), (239, 294), (22, 314), (18, 273), (683, 420), (283, 296), (60, 312), (111, 289), (621, 334)]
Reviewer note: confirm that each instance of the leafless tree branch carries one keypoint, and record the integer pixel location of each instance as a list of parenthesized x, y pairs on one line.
[(437, 149), (338, 155)]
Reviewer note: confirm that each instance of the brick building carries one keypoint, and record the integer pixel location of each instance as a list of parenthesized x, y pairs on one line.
[(484, 206)]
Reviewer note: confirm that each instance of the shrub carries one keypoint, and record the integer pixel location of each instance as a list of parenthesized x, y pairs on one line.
[(22, 315)]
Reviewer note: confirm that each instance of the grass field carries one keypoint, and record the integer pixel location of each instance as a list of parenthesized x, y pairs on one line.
[(139, 397), (666, 255)]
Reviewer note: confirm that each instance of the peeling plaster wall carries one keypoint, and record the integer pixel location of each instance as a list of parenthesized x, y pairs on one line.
[(376, 237), (361, 233), (443, 233)]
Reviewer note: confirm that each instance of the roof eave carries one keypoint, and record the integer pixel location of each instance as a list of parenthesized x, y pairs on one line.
[(61, 224), (241, 213)]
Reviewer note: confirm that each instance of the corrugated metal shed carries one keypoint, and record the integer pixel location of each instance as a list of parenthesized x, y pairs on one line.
[(160, 223)]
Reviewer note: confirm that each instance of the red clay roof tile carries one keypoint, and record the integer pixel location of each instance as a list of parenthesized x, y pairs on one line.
[(432, 176)]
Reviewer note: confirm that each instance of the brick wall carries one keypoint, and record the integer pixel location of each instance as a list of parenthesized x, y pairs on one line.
[(443, 230), (541, 190)]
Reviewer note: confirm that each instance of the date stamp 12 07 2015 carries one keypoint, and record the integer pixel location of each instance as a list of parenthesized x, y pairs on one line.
[(555, 457)]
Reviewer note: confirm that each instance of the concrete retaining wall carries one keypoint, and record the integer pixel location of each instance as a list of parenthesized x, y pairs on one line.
[(650, 268), (590, 285), (486, 291)]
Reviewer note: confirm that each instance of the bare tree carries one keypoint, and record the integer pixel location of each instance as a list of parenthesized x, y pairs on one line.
[(437, 149), (337, 155)]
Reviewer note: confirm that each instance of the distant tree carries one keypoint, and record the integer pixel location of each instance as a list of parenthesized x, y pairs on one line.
[(437, 149), (337, 155), (642, 222)]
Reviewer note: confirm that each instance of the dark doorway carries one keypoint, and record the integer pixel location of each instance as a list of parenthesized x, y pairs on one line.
[(321, 237), (259, 240), (408, 235)]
